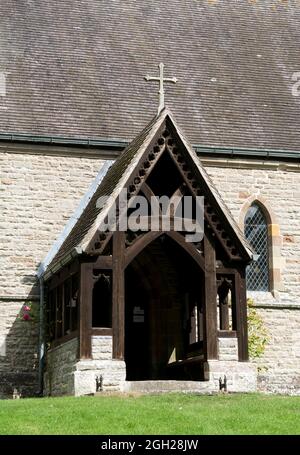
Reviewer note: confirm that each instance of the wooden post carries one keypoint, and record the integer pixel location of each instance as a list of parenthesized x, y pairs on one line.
[(210, 303), (118, 295), (85, 311), (240, 317), (55, 292), (63, 309)]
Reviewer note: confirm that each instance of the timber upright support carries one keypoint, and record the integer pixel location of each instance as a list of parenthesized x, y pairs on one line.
[(118, 295), (85, 312), (210, 303), (241, 314)]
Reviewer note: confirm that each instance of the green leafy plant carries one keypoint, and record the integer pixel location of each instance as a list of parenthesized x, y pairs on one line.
[(257, 332), (28, 312)]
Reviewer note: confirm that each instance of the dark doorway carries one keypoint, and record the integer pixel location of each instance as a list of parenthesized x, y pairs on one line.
[(164, 314), (137, 326)]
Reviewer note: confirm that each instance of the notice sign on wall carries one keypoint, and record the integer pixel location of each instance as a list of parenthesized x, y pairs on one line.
[(138, 314)]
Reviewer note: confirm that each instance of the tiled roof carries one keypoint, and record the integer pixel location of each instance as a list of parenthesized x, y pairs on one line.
[(75, 68)]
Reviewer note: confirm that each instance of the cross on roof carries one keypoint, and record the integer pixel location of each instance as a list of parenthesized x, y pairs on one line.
[(161, 79)]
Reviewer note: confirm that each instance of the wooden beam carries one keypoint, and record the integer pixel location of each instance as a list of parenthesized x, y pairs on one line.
[(176, 200), (234, 302), (55, 292), (99, 331), (210, 301), (63, 274), (103, 262), (224, 313), (240, 300), (118, 295), (71, 307), (227, 334), (225, 271), (63, 309), (150, 196), (64, 339), (85, 310)]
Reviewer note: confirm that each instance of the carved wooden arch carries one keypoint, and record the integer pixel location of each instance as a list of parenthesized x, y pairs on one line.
[(274, 238), (149, 237)]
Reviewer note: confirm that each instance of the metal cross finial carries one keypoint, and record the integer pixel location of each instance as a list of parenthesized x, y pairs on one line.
[(161, 79)]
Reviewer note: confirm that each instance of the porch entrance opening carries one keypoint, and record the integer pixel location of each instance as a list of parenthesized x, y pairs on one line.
[(164, 295)]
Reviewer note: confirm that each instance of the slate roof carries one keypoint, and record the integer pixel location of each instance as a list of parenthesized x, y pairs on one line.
[(77, 239), (75, 68)]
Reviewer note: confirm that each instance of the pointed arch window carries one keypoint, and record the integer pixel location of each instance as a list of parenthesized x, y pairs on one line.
[(256, 232)]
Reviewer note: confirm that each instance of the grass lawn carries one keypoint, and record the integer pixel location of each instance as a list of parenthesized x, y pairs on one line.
[(156, 414)]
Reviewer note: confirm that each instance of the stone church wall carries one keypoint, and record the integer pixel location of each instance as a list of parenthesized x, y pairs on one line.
[(278, 186), (279, 368), (65, 375), (113, 372), (18, 352), (60, 368), (102, 347), (39, 193)]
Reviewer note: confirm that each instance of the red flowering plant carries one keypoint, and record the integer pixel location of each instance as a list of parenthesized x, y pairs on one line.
[(27, 312)]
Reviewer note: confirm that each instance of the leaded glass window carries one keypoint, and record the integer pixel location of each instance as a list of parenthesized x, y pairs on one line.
[(256, 232)]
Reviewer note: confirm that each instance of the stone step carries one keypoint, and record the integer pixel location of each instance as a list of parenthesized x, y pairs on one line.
[(164, 386)]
